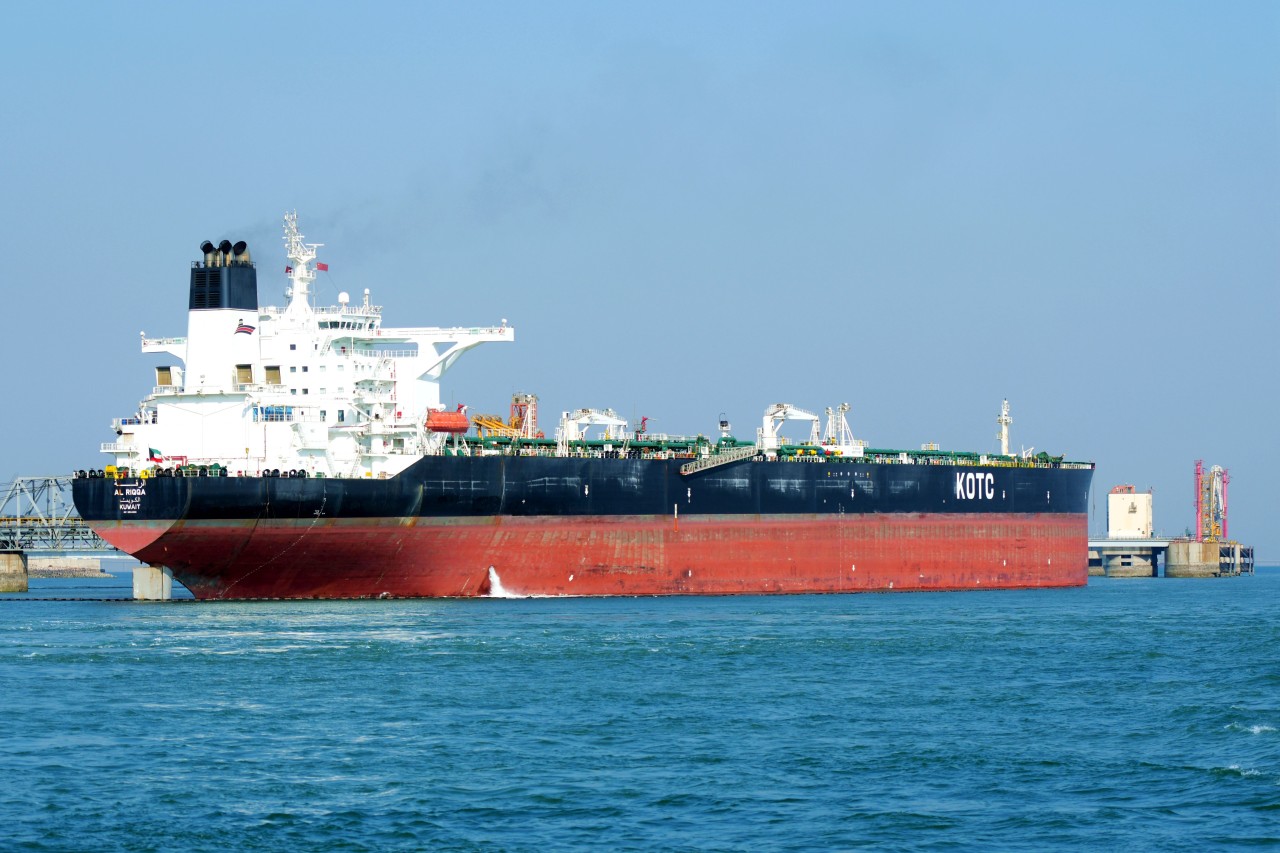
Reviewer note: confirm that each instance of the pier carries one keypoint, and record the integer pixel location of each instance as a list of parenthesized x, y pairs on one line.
[(1179, 558), (1131, 549), (1126, 557)]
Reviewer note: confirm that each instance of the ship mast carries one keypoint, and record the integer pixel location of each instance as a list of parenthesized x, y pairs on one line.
[(300, 273), (1004, 420)]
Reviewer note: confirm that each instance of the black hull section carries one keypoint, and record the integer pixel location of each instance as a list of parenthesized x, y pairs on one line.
[(462, 487)]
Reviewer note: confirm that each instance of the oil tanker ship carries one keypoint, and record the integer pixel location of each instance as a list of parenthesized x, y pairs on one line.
[(303, 452)]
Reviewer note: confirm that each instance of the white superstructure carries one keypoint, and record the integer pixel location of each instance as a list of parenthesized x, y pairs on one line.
[(325, 390)]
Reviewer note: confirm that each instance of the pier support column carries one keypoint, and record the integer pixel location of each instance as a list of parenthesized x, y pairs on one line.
[(152, 583), (1123, 560), (1131, 564), (1191, 559), (13, 571)]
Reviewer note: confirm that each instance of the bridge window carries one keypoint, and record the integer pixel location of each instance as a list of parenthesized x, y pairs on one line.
[(273, 374), (244, 374), (164, 375), (273, 413)]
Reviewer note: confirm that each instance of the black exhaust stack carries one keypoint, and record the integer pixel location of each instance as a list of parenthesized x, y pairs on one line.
[(226, 279)]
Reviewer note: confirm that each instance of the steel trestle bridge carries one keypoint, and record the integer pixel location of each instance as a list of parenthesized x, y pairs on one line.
[(37, 514)]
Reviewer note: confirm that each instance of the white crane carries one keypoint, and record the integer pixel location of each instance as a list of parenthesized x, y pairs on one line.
[(767, 437), (837, 437), (573, 424)]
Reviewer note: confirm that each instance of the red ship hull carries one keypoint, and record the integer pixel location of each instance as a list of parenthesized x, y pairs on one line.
[(611, 555)]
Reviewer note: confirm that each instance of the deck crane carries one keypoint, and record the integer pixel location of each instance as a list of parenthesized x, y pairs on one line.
[(837, 437), (767, 438), (573, 426)]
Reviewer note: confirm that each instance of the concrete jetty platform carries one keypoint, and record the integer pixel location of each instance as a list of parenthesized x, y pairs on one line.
[(1188, 558), (1182, 558), (65, 567), (1126, 558)]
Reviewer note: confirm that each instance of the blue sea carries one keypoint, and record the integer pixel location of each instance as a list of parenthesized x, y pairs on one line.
[(1126, 715)]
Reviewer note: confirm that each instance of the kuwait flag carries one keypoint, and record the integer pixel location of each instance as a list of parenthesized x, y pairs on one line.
[(156, 455)]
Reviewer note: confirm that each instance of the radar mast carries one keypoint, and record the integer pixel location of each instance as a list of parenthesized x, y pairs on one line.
[(1004, 421), (300, 257)]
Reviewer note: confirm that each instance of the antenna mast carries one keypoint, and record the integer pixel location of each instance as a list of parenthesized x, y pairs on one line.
[(301, 255), (1004, 420)]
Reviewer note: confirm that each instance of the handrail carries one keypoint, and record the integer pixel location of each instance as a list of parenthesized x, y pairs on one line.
[(718, 459)]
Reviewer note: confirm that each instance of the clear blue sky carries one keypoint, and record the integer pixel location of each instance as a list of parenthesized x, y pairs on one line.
[(685, 209)]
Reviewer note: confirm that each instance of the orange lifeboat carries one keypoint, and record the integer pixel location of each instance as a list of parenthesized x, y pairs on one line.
[(450, 422)]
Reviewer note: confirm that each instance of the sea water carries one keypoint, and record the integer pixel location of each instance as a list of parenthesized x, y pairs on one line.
[(1126, 715)]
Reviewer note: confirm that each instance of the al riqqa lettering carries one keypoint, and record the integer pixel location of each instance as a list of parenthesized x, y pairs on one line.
[(129, 495)]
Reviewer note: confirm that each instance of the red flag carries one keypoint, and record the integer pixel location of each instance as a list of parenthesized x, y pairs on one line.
[(322, 267), (288, 270)]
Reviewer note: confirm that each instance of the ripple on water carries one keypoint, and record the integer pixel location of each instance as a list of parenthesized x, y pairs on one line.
[(1102, 718)]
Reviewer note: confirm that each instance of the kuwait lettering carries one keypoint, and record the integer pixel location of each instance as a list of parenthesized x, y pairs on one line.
[(129, 495), (979, 486)]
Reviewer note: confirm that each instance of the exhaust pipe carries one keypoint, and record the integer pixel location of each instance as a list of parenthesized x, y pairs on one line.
[(208, 250), (224, 253), (241, 249)]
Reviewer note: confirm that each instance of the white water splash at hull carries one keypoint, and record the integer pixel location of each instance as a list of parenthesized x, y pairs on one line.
[(496, 589)]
